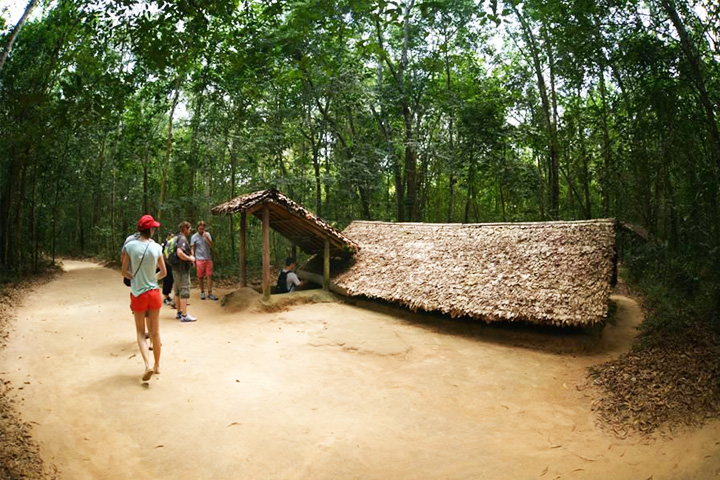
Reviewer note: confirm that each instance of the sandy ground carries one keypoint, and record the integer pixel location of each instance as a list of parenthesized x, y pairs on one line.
[(320, 391)]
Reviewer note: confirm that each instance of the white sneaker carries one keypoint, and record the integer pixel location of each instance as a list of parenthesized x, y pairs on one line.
[(188, 318)]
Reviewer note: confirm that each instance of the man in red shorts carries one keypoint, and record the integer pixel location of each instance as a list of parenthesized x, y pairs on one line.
[(202, 244)]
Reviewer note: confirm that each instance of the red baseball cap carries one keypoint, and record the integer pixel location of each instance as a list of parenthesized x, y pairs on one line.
[(146, 222)]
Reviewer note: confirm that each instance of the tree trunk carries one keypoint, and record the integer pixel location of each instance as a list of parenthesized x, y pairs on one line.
[(19, 217), (15, 32), (54, 216), (97, 191), (607, 154), (451, 145), (146, 179), (697, 72), (410, 200), (408, 188), (233, 188), (80, 226), (33, 215), (553, 160), (471, 190), (266, 252), (194, 133), (7, 208), (168, 150)]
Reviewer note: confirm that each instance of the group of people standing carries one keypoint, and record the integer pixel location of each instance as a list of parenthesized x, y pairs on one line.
[(144, 263)]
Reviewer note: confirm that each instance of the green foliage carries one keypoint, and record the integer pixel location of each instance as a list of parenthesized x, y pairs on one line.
[(425, 110), (680, 291)]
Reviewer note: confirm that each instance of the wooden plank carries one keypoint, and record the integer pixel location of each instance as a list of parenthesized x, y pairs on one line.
[(283, 217), (302, 231), (266, 252), (243, 249), (326, 266)]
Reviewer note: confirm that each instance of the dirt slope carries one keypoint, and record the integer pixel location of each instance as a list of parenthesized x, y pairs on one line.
[(320, 391)]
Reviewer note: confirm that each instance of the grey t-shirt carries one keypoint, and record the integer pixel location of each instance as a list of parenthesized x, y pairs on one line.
[(202, 248), (292, 281)]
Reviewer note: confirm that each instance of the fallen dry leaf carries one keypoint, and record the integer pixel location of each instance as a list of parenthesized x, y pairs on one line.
[(671, 383)]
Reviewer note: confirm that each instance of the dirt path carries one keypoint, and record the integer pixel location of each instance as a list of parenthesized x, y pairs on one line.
[(324, 391)]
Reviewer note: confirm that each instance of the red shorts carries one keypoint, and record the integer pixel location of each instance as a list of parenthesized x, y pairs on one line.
[(204, 268), (150, 300)]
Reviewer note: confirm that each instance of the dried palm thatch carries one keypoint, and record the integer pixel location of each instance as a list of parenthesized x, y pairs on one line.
[(557, 273), (291, 220)]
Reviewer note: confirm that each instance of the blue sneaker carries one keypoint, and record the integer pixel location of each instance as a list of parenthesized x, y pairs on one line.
[(212, 297), (202, 296), (188, 318)]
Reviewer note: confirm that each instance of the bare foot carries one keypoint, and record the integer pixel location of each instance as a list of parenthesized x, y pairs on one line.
[(146, 376)]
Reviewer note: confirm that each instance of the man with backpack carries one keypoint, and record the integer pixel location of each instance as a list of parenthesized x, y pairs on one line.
[(288, 280), (168, 280), (180, 259)]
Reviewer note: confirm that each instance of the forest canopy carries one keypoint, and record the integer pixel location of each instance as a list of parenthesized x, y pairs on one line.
[(408, 110)]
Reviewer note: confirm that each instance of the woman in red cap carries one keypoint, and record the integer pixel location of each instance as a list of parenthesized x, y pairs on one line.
[(146, 257)]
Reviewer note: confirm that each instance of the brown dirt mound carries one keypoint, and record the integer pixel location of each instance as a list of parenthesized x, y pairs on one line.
[(250, 299), (671, 384), (278, 303), (241, 299)]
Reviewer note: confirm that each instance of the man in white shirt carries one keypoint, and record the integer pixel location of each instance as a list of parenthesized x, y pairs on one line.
[(292, 281)]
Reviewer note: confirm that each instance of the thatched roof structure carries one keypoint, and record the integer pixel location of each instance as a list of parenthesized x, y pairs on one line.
[(558, 273), (291, 220)]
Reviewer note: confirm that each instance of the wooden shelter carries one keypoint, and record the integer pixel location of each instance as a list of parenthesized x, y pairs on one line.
[(309, 232), (558, 273)]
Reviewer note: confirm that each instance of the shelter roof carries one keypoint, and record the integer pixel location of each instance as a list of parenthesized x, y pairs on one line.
[(291, 220), (558, 273)]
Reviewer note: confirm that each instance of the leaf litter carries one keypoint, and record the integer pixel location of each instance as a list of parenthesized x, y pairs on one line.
[(669, 384)]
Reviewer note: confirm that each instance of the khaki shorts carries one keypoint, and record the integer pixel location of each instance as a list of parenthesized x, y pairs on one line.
[(182, 282)]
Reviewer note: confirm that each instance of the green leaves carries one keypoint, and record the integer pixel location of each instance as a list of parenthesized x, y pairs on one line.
[(361, 106)]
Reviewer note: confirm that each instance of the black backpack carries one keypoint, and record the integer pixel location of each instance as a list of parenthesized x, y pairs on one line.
[(281, 286)]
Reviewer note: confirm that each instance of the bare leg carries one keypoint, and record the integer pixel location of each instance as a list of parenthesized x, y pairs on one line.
[(209, 284), (201, 281), (142, 343), (147, 327), (154, 327), (182, 305)]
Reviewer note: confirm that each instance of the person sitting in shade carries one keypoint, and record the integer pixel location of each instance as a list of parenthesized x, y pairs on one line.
[(288, 280)]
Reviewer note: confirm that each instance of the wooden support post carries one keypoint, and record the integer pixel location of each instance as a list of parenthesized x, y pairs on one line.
[(243, 249), (266, 252), (326, 266), (293, 251)]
